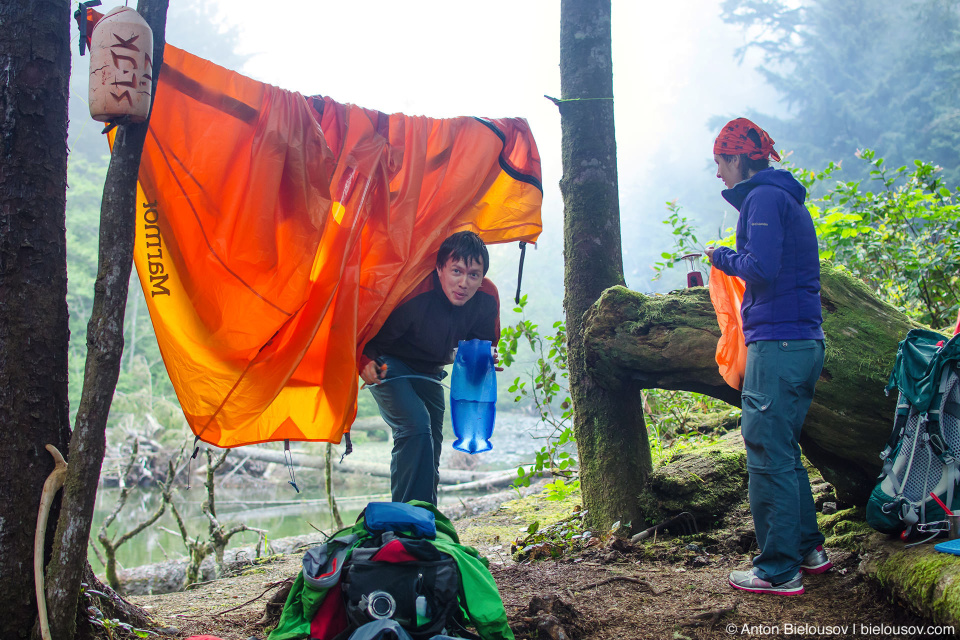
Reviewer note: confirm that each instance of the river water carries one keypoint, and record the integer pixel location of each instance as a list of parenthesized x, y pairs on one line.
[(272, 504)]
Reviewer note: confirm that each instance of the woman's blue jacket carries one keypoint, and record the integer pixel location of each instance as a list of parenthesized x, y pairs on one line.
[(777, 258)]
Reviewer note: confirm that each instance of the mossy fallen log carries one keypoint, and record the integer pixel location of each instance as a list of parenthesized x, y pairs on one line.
[(925, 580), (705, 481), (669, 342)]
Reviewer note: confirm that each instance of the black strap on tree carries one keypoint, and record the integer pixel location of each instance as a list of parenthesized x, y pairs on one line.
[(81, 17), (523, 253)]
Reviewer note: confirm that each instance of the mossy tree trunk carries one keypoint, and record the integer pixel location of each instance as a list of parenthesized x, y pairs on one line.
[(608, 420), (669, 342), (104, 351), (34, 411)]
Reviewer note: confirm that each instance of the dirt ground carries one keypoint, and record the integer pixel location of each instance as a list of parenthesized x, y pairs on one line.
[(666, 588)]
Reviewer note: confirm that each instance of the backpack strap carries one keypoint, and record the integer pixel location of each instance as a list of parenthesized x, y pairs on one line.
[(932, 418), (950, 407), (899, 425), (952, 469), (322, 565)]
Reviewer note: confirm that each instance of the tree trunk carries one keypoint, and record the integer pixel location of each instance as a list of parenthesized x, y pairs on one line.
[(328, 483), (104, 351), (669, 342), (608, 421), (112, 605), (35, 64)]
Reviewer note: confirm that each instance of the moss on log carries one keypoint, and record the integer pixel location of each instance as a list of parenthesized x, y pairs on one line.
[(926, 581), (704, 481), (669, 342)]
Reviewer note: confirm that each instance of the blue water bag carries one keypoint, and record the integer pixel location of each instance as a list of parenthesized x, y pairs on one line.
[(473, 396)]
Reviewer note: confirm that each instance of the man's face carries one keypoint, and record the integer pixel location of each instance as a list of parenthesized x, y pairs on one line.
[(460, 281), (729, 172)]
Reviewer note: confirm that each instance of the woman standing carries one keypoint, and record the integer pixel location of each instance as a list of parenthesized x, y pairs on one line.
[(778, 260)]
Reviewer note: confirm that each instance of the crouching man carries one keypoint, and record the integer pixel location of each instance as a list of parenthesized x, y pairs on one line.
[(405, 360)]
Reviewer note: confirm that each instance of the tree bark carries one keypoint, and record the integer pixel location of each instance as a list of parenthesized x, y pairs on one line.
[(104, 352), (608, 420), (35, 70), (669, 342)]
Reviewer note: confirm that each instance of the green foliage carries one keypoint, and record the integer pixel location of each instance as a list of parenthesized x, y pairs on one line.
[(686, 241), (902, 238), (881, 74), (553, 541), (111, 626), (547, 388), (559, 489), (677, 419), (85, 179)]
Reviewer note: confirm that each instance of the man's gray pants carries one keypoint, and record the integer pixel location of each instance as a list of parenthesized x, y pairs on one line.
[(413, 407)]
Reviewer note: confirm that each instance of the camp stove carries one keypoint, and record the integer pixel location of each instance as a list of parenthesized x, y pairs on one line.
[(694, 277)]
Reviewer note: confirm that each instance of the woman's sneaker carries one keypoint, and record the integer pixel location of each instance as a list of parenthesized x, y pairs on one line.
[(816, 562), (749, 581)]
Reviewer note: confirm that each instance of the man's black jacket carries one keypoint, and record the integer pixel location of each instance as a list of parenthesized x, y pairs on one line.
[(425, 327)]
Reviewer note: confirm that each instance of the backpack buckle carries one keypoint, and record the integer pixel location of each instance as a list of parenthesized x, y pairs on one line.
[(939, 446), (939, 525), (908, 514)]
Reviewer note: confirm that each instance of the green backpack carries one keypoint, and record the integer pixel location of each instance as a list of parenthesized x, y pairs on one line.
[(327, 598), (922, 455)]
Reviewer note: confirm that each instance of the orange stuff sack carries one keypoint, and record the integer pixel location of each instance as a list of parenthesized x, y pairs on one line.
[(275, 233), (726, 294)]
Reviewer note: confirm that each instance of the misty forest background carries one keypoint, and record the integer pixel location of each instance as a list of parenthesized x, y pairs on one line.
[(882, 75)]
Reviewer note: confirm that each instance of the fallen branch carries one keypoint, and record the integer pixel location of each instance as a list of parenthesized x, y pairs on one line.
[(53, 484), (272, 586), (639, 581), (447, 476), (708, 618), (491, 482)]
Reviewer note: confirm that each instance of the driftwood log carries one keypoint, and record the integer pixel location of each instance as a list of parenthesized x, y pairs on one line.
[(669, 342), (377, 470)]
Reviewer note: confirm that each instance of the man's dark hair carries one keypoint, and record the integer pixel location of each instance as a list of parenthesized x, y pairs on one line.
[(746, 163), (466, 246)]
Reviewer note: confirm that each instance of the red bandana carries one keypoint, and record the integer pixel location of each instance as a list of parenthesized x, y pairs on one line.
[(733, 141)]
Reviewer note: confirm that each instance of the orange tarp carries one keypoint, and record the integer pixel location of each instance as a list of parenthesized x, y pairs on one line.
[(726, 294), (275, 233)]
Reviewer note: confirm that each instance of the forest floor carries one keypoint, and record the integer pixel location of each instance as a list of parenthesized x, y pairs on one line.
[(599, 587)]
